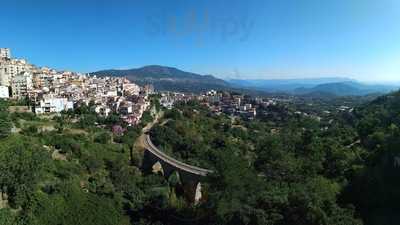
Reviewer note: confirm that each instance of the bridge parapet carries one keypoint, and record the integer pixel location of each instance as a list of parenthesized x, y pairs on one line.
[(173, 162)]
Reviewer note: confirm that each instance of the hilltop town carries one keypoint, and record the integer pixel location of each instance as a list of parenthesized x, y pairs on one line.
[(47, 90)]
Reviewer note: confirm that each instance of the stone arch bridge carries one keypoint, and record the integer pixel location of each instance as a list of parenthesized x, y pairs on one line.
[(189, 175)]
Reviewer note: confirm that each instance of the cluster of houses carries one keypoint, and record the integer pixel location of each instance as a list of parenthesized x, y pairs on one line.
[(221, 102), (51, 91)]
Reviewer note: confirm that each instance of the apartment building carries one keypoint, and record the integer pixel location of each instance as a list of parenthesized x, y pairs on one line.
[(5, 53), (21, 84), (53, 105), (9, 68)]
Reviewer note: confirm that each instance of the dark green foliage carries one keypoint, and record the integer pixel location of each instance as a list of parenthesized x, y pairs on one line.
[(93, 184), (87, 120), (293, 176), (5, 123), (155, 101), (69, 204), (7, 217), (30, 131), (5, 127), (28, 116), (280, 168), (22, 164), (173, 114), (375, 187), (102, 137), (146, 117)]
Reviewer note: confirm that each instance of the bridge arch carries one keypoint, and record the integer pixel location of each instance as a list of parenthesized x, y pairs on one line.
[(190, 176)]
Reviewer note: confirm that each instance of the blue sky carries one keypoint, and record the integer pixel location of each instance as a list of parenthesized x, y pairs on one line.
[(238, 39)]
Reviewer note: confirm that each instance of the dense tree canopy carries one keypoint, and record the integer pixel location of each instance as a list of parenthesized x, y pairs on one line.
[(5, 123), (293, 176), (281, 168)]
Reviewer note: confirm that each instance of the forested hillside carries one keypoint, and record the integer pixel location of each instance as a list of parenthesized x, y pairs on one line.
[(72, 170), (284, 168), (376, 187), (275, 172), (355, 160)]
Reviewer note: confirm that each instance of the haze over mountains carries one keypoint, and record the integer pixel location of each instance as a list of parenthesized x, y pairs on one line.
[(285, 84), (346, 88), (338, 86), (172, 79)]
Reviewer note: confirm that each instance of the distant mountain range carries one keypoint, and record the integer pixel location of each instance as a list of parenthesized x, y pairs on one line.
[(346, 89), (318, 86), (168, 78), (172, 79), (286, 85)]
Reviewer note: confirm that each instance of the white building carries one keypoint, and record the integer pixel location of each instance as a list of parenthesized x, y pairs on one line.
[(5, 53), (21, 84), (102, 110), (211, 93), (111, 93), (126, 108), (131, 89), (9, 68), (167, 101), (53, 105), (4, 92)]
